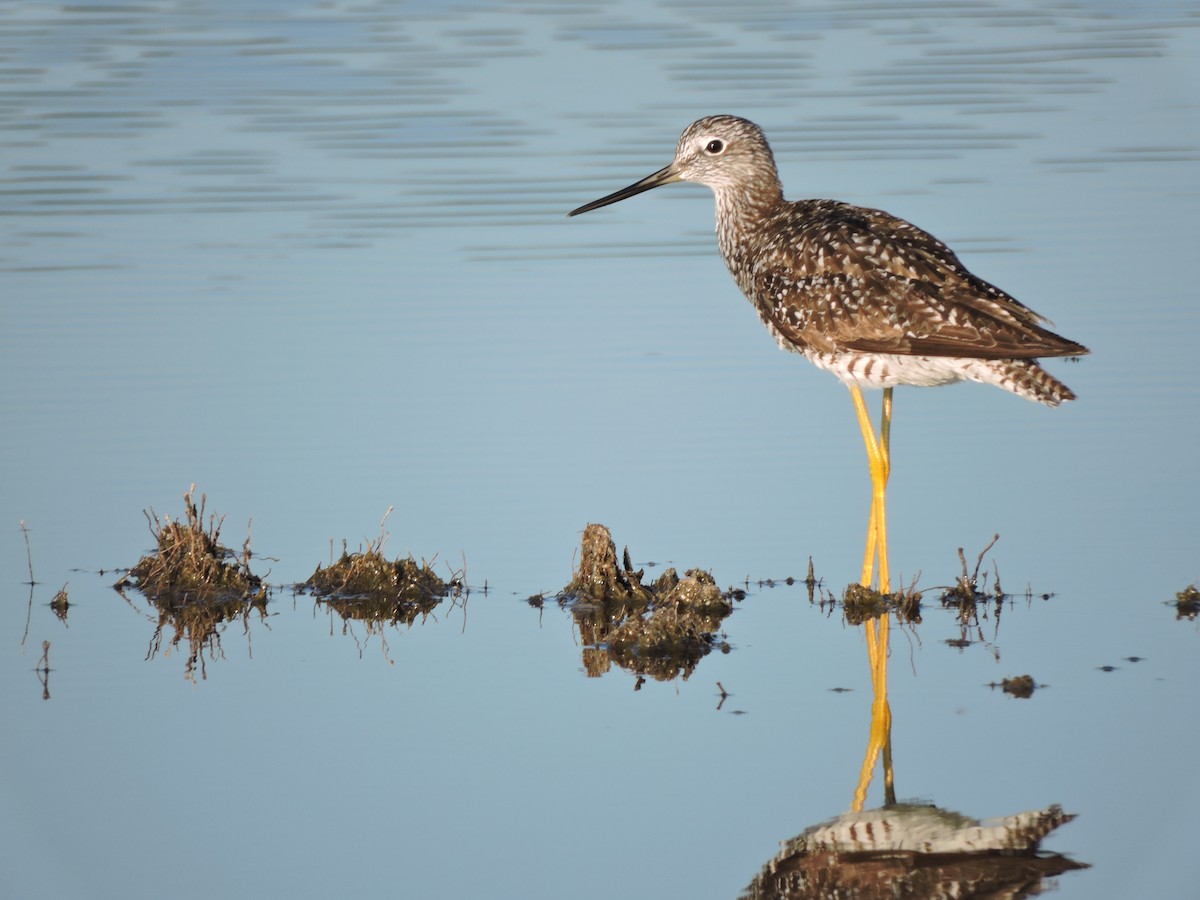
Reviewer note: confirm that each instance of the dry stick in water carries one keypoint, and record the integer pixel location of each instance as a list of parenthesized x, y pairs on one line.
[(29, 561)]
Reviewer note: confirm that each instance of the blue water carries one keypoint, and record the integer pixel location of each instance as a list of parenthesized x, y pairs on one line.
[(315, 260)]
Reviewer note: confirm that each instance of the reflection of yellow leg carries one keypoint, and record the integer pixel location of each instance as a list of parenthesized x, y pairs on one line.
[(879, 464), (879, 683), (880, 736)]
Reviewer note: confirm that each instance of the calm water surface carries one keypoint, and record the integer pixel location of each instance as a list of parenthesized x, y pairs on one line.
[(314, 259)]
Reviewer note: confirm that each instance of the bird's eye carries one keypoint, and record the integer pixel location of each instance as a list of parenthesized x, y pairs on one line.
[(713, 147)]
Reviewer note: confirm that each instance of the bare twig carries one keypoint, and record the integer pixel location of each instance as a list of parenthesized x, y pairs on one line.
[(28, 552), (31, 582), (979, 559)]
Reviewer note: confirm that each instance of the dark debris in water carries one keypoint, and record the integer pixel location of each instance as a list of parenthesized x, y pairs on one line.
[(1187, 603), (660, 630), (60, 604), (1019, 686), (861, 604)]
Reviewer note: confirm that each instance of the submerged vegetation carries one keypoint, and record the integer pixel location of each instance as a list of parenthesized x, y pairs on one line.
[(195, 583), (373, 586), (971, 588), (860, 604), (1187, 603), (60, 604), (661, 629), (658, 629), (973, 600), (1019, 686), (365, 586)]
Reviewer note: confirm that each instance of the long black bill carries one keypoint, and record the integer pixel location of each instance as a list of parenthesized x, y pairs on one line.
[(662, 176)]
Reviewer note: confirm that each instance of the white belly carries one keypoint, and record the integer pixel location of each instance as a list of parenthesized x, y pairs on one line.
[(881, 370)]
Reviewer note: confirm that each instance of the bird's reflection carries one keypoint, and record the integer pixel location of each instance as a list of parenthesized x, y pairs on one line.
[(879, 738), (909, 849)]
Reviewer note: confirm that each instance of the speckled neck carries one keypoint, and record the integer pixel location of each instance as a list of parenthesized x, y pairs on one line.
[(743, 208)]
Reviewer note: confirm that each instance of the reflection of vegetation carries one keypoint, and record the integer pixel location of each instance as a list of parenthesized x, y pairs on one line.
[(1187, 603), (201, 622), (366, 587), (910, 850), (195, 583), (43, 670), (661, 630)]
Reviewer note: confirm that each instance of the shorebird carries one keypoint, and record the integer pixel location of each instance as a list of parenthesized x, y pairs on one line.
[(859, 292)]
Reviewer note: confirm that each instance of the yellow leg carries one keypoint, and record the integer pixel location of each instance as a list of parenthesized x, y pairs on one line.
[(885, 455), (879, 464)]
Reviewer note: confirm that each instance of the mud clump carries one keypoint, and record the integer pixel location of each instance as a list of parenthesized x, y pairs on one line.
[(660, 630), (1187, 603), (60, 604), (601, 578), (1019, 686), (368, 587), (861, 604)]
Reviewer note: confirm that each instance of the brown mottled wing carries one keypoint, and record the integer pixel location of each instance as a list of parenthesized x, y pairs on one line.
[(844, 278)]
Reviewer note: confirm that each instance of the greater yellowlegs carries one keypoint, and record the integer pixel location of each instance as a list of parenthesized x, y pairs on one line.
[(860, 292)]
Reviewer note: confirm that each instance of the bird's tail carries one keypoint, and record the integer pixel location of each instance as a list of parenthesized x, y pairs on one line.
[(1025, 378)]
